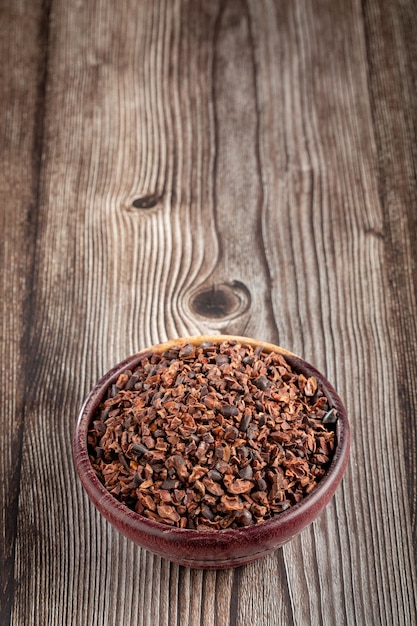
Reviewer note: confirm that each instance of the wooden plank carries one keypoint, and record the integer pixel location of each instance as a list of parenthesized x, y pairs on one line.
[(392, 89), (22, 86), (211, 166), (324, 239)]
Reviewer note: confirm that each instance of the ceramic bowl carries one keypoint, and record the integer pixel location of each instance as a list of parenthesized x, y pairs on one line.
[(210, 549)]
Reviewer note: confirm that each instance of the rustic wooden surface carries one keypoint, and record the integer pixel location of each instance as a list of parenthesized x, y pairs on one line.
[(176, 167)]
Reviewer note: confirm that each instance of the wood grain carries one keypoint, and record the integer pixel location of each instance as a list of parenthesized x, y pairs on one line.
[(22, 78), (395, 137), (196, 166)]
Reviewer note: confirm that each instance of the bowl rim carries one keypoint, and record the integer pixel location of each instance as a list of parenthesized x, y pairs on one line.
[(118, 513)]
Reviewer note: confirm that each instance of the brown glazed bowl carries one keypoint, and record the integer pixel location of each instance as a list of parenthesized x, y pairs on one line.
[(210, 549)]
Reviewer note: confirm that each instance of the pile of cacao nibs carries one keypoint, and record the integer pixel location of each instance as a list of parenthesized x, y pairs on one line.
[(212, 436)]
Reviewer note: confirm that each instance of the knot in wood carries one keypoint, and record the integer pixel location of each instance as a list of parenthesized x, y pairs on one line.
[(147, 202), (221, 300)]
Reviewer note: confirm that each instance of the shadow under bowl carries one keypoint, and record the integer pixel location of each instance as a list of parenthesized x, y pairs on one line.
[(210, 549)]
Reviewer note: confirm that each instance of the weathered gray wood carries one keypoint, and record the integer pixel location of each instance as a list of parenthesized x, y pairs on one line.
[(209, 166), (395, 136)]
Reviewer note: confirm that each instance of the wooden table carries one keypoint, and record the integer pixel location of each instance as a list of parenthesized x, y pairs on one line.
[(174, 167)]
